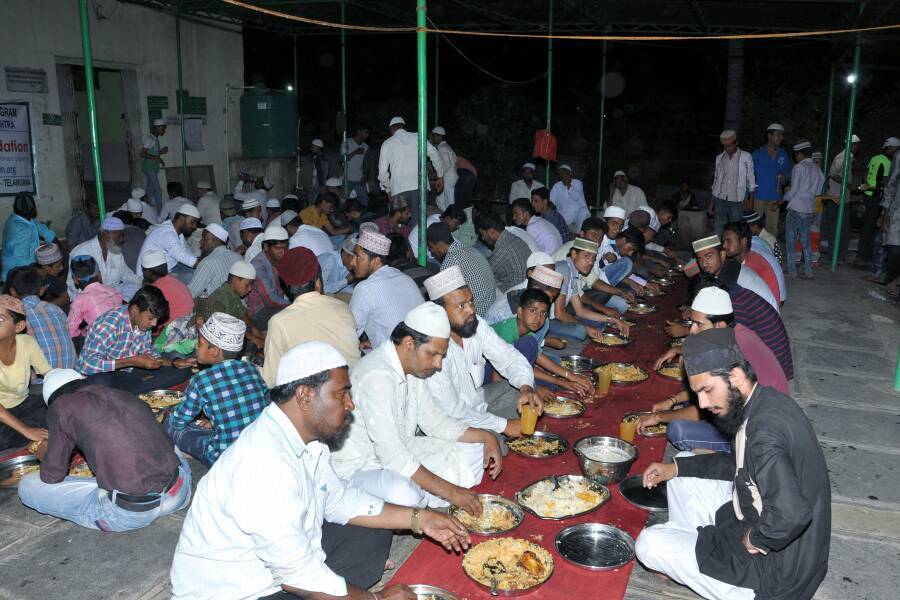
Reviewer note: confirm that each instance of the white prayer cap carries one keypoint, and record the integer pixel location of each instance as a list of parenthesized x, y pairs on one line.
[(224, 331), (189, 210), (855, 139), (112, 224), (728, 134), (57, 378), (333, 182), (429, 319), (539, 258), (307, 359), (153, 258), (243, 269), (204, 185), (891, 142), (349, 243), (548, 277), (138, 193), (445, 282), (397, 121), (529, 165), (318, 143), (288, 216), (368, 226), (439, 130), (775, 127), (802, 145), (614, 212), (353, 194), (374, 242), (564, 168), (273, 203), (275, 233), (159, 122), (619, 172), (218, 231), (708, 242), (250, 203), (292, 196), (134, 205), (250, 223), (712, 301)]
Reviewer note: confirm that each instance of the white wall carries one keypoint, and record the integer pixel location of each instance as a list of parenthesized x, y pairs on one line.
[(42, 33)]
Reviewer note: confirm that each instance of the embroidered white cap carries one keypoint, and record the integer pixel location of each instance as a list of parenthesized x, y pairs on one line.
[(224, 331), (374, 242), (445, 282), (547, 276)]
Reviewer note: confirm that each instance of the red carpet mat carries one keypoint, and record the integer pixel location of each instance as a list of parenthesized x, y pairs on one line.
[(430, 564)]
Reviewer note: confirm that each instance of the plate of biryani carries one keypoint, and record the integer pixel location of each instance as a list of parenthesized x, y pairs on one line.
[(611, 339), (649, 293), (626, 373), (498, 515), (657, 430), (161, 399), (561, 407), (541, 444), (431, 592), (672, 370), (641, 308), (508, 566), (562, 496)]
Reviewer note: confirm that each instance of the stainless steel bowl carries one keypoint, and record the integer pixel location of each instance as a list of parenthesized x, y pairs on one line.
[(578, 363), (429, 592), (604, 472), (595, 546)]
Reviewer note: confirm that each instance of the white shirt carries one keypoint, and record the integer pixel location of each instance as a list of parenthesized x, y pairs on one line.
[(382, 300), (723, 185), (398, 163), (170, 208), (414, 234), (255, 522), (390, 406), (113, 270), (749, 279), (171, 243), (520, 189), (630, 200), (570, 202), (354, 163), (544, 233), (526, 237), (208, 207), (457, 387), (313, 238), (448, 156), (149, 214)]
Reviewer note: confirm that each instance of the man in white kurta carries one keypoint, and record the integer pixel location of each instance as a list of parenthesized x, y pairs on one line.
[(625, 195), (382, 453), (106, 250), (449, 175), (522, 188), (567, 195)]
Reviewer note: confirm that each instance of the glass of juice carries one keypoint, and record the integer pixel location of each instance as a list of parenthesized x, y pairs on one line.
[(604, 379), (529, 419), (627, 428)]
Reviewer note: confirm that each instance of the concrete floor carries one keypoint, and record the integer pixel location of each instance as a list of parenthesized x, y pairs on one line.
[(845, 346)]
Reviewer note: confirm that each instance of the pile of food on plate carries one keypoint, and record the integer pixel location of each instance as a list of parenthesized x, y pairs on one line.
[(626, 373), (537, 446), (575, 495), (512, 563), (563, 407)]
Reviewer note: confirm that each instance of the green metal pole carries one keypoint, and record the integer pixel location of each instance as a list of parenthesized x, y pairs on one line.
[(183, 107), (88, 56), (599, 202), (437, 70), (344, 96), (422, 77), (897, 374), (549, 86), (827, 155), (847, 155)]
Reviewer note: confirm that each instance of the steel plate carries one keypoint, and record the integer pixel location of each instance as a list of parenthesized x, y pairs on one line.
[(647, 435), (596, 487), (430, 592), (500, 502), (595, 546), (642, 305), (633, 490), (578, 403), (563, 444)]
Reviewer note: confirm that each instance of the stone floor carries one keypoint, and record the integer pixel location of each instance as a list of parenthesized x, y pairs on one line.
[(845, 347)]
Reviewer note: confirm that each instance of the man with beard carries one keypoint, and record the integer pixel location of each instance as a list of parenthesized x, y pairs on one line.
[(382, 453), (755, 523), (106, 250), (215, 261), (457, 388), (257, 527)]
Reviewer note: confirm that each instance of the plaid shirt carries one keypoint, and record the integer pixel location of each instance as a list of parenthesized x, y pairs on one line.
[(231, 394), (509, 260), (477, 273), (111, 337), (559, 222), (47, 323)]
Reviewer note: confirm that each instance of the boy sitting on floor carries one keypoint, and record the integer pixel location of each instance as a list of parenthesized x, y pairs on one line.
[(230, 392), (93, 299)]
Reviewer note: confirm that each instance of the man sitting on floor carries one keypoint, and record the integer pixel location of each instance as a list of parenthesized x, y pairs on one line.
[(137, 475), (267, 297), (382, 453), (755, 523), (711, 257), (229, 392), (46, 321), (118, 351), (177, 294), (457, 387), (230, 295), (215, 260), (257, 526), (170, 238)]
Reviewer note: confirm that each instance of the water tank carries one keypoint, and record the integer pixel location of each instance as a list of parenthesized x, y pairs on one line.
[(268, 123)]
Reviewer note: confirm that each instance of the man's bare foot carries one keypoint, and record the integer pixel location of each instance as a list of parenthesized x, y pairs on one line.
[(389, 565)]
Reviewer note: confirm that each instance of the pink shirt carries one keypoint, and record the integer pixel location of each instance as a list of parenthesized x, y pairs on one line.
[(90, 303), (769, 372), (178, 295)]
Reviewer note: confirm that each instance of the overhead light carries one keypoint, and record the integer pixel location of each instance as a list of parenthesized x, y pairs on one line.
[(851, 78), (289, 88)]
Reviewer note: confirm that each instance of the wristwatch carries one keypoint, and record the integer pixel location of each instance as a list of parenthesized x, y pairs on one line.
[(414, 522)]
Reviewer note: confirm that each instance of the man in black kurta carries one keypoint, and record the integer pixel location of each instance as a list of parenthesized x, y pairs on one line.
[(755, 523)]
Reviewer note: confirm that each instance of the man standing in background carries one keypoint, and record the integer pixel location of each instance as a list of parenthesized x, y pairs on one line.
[(355, 150), (772, 168), (734, 181), (450, 176), (152, 155), (876, 176), (830, 204)]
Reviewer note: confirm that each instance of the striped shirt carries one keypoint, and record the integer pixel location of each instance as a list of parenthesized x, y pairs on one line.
[(509, 260), (110, 338), (751, 311), (477, 273), (212, 271), (231, 394), (381, 301), (47, 323), (554, 217)]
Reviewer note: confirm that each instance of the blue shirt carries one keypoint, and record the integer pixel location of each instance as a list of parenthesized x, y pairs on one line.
[(21, 238), (49, 327), (231, 394), (767, 170)]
